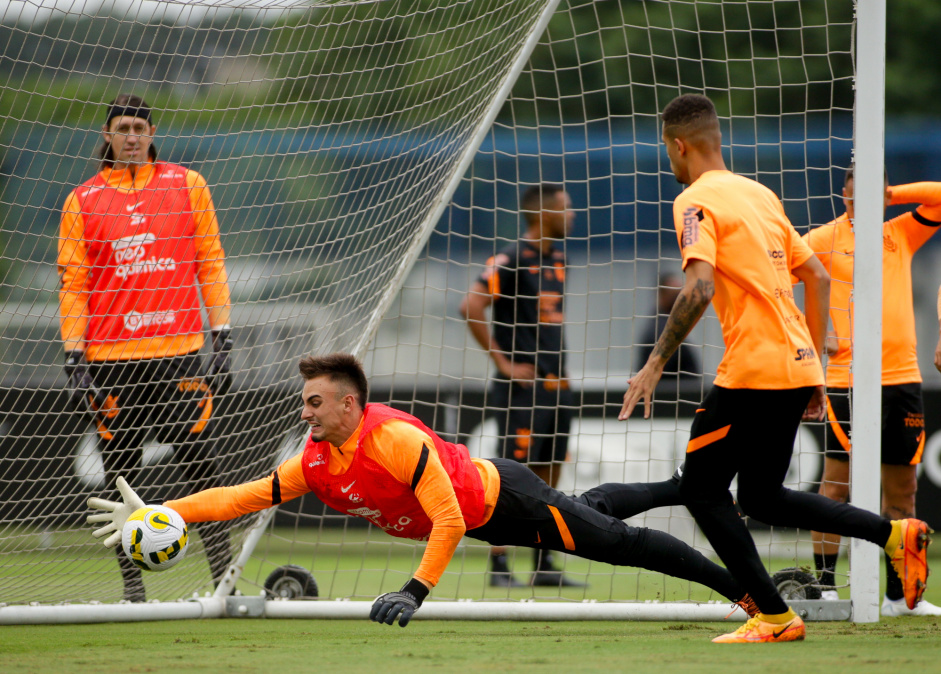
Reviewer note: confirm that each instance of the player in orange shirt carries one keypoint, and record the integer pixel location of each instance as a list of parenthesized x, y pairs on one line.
[(139, 248), (903, 419), (374, 462), (739, 251)]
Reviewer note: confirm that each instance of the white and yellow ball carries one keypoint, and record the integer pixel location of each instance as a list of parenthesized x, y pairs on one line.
[(155, 538)]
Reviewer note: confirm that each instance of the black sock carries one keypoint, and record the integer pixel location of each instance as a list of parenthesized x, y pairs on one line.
[(826, 565), (893, 584), (542, 560)]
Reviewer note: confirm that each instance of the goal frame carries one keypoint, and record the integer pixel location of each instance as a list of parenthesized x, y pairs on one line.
[(868, 143)]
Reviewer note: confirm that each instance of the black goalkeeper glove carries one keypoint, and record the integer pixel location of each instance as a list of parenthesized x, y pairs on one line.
[(219, 377), (405, 602), (83, 392)]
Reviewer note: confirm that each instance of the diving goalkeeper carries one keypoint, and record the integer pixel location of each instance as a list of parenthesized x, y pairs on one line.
[(375, 462)]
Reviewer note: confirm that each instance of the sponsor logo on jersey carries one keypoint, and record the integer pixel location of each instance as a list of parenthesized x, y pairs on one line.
[(135, 320), (778, 258), (318, 461), (367, 513), (889, 244), (130, 254), (805, 354), (692, 216)]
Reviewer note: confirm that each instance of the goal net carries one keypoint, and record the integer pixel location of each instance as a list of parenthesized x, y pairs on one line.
[(365, 160)]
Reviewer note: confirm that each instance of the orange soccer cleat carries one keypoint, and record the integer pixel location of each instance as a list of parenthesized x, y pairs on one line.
[(758, 631), (910, 559)]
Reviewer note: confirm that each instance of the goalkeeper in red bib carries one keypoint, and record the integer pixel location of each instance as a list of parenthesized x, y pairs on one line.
[(139, 247), (374, 462)]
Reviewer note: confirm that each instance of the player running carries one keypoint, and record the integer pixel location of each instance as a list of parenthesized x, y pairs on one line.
[(386, 466), (739, 249)]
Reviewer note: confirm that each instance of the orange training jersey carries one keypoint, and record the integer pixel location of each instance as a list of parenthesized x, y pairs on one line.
[(739, 227), (396, 445), (132, 251), (835, 245)]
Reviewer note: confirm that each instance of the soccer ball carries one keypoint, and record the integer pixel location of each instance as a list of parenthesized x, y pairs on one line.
[(155, 538)]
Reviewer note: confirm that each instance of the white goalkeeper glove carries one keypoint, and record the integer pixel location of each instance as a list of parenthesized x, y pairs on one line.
[(116, 513)]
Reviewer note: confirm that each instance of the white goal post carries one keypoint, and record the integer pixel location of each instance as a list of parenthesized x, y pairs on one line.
[(365, 159)]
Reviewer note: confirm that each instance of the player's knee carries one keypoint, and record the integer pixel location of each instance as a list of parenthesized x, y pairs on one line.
[(762, 504)]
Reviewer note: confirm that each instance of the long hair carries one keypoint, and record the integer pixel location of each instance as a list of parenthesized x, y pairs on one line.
[(130, 105)]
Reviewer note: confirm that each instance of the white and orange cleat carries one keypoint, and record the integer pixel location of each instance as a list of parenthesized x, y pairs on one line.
[(758, 631), (910, 559)]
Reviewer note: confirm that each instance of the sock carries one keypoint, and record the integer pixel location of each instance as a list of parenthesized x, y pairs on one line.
[(778, 618), (542, 560), (894, 538), (826, 565), (893, 584), (499, 563)]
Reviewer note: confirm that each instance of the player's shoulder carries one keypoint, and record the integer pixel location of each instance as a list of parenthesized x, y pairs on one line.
[(402, 433), (821, 233), (715, 188), (176, 172), (509, 256)]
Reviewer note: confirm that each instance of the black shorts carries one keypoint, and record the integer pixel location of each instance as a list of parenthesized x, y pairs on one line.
[(903, 424), (163, 396), (749, 432), (531, 513), (533, 422)]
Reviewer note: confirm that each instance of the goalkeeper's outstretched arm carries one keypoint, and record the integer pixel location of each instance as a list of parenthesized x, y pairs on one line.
[(210, 505)]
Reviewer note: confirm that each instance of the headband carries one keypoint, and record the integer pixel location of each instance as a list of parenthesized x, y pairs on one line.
[(142, 111)]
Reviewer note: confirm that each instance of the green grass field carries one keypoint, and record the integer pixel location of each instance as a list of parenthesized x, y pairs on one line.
[(276, 646), (281, 646)]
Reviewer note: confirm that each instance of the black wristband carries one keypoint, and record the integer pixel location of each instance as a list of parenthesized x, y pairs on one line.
[(417, 589)]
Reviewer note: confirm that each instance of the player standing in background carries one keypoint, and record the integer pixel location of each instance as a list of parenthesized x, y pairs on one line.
[(524, 286), (685, 362), (739, 248), (386, 466), (136, 242), (903, 418)]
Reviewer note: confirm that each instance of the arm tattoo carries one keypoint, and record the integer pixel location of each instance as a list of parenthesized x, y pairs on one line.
[(686, 312)]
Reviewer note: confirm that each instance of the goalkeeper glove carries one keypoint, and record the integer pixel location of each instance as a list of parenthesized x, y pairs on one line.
[(405, 602), (219, 377), (83, 392), (116, 513)]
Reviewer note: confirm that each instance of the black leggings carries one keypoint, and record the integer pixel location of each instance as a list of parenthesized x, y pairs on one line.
[(530, 513), (751, 433)]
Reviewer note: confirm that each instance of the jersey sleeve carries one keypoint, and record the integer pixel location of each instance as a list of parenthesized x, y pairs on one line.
[(820, 241), (919, 225), (800, 250), (399, 447), (695, 231), (210, 256), (73, 267), (498, 274), (225, 503)]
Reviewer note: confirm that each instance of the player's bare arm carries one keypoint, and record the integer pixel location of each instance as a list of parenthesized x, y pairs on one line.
[(689, 307), (816, 310), (473, 308)]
